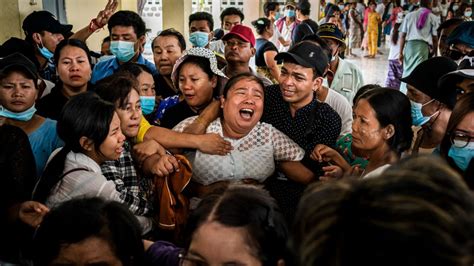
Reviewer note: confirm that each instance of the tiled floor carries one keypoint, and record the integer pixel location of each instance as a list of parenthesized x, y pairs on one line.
[(373, 70)]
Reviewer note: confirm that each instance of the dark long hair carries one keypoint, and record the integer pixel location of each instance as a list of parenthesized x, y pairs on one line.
[(395, 33), (463, 107), (393, 107), (84, 115), (79, 219)]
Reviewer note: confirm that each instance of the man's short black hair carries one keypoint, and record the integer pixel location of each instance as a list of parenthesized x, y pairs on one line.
[(174, 33), (202, 16), (304, 7), (127, 18), (232, 11), (269, 6)]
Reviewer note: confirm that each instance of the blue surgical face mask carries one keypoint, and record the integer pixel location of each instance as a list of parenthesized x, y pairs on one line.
[(468, 13), (462, 156), (199, 39), (341, 7), (22, 116), (290, 13), (148, 104), (455, 7), (277, 15), (123, 50), (45, 52), (418, 119)]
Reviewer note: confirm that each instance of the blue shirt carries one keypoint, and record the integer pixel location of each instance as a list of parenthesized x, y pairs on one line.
[(109, 66), (44, 141)]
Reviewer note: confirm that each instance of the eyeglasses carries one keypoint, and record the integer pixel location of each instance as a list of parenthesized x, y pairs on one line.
[(460, 140), (233, 43)]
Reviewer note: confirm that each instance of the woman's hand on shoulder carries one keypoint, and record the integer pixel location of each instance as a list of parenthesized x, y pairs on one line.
[(212, 143)]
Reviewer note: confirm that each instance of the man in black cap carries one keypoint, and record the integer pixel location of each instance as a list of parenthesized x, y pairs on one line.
[(44, 32), (342, 76), (431, 105), (292, 107)]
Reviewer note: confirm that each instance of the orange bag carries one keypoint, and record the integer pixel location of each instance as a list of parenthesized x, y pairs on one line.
[(173, 205)]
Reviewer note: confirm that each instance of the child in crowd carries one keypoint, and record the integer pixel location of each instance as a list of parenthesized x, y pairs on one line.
[(395, 69)]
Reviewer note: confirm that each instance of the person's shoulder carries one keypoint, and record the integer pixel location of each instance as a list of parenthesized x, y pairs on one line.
[(104, 64), (349, 65), (272, 90), (337, 97), (327, 112)]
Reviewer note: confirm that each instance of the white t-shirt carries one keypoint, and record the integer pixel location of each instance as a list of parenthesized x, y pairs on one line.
[(343, 108), (286, 32), (275, 37), (394, 49)]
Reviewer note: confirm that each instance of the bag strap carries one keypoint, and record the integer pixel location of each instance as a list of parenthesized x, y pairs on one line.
[(73, 170)]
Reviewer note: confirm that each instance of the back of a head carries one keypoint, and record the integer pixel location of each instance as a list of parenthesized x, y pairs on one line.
[(250, 208), (418, 213), (79, 219), (304, 7), (261, 24), (269, 6)]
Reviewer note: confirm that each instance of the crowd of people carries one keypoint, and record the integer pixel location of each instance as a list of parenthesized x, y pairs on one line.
[(202, 158)]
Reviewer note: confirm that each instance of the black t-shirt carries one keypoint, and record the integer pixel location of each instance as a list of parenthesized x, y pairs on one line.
[(176, 114), (306, 27), (315, 123), (50, 106), (262, 46), (162, 87)]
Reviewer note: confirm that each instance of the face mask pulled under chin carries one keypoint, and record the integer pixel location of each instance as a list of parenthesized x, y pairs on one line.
[(45, 52), (22, 116)]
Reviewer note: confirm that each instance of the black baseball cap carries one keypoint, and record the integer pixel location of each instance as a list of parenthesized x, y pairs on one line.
[(331, 31), (18, 61), (426, 75), (43, 20), (308, 55)]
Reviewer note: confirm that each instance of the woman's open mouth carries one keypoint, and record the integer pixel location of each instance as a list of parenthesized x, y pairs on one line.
[(246, 113)]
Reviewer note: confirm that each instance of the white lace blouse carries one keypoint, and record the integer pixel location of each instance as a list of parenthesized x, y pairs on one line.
[(253, 156)]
